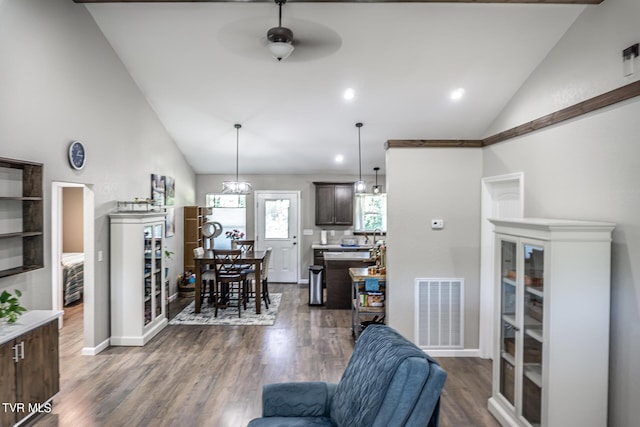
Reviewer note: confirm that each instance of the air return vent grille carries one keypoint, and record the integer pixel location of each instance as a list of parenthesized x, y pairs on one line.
[(440, 313)]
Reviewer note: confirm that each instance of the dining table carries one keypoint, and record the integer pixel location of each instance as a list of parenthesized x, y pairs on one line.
[(254, 258)]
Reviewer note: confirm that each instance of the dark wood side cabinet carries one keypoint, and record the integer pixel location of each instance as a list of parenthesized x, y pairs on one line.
[(334, 203), (21, 204), (29, 373)]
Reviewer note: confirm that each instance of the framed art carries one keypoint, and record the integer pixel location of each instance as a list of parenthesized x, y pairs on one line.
[(157, 189)]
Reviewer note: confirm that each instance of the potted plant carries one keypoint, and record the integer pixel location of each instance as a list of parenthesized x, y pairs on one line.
[(234, 234), (10, 308)]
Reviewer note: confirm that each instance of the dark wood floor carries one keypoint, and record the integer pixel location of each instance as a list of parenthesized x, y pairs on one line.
[(213, 375)]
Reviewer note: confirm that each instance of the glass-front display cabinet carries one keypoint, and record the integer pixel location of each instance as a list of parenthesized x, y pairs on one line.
[(138, 311), (152, 272), (552, 314)]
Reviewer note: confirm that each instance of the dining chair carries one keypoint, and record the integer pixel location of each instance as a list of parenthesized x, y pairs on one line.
[(243, 245), (250, 276), (230, 281), (208, 276)]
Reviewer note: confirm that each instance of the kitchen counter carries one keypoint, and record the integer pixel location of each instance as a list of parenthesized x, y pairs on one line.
[(347, 256), (338, 246), (30, 319)]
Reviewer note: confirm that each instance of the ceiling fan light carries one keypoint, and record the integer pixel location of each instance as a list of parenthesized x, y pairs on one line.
[(280, 50)]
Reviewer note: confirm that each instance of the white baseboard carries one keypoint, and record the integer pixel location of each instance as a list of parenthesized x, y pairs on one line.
[(451, 352), (303, 281), (92, 351), (173, 297)]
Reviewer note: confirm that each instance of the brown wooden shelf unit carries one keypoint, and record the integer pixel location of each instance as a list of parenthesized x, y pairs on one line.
[(21, 202)]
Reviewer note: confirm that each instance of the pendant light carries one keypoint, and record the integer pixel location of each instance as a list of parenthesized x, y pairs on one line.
[(360, 186), (237, 186), (377, 189)]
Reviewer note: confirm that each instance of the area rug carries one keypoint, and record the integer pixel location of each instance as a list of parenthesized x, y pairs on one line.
[(229, 316)]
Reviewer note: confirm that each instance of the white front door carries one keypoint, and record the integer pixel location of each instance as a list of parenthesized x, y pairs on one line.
[(277, 226)]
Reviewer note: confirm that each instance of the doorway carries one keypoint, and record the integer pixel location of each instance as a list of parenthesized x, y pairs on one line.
[(502, 197), (72, 260), (278, 226)]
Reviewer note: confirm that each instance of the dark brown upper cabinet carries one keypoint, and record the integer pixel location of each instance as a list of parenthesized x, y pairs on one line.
[(334, 203)]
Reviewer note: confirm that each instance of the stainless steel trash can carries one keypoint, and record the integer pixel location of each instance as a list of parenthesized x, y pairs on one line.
[(315, 285)]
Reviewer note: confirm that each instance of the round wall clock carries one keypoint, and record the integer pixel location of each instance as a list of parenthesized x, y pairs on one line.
[(77, 155)]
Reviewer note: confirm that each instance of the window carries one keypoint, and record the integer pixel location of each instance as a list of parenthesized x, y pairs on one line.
[(225, 201), (276, 219), (230, 210), (370, 212)]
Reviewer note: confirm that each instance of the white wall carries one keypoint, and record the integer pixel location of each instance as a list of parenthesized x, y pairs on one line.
[(585, 63), (433, 183), (60, 80), (587, 168)]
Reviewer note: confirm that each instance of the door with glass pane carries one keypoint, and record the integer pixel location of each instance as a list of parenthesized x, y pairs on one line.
[(153, 298), (508, 323), (521, 327), (157, 270), (532, 332), (149, 249), (277, 227)]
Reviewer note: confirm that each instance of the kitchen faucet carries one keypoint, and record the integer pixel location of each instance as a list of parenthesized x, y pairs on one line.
[(374, 235)]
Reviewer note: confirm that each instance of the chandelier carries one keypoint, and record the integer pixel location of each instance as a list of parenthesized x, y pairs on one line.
[(237, 186)]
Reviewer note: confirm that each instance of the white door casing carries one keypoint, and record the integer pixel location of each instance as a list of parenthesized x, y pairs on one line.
[(502, 197), (278, 226), (88, 215)]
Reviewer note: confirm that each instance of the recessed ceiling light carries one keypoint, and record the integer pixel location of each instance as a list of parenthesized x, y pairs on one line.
[(349, 94), (339, 158), (457, 94)]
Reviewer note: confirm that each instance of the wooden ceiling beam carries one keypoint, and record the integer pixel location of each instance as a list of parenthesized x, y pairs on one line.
[(431, 143), (351, 1), (624, 93)]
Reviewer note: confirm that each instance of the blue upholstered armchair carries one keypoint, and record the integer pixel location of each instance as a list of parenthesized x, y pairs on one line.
[(389, 382)]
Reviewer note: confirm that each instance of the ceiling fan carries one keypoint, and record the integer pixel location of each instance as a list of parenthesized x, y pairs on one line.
[(280, 38), (312, 40)]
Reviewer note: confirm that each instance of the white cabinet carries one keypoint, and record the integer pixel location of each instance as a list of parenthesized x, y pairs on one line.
[(137, 265), (551, 350)]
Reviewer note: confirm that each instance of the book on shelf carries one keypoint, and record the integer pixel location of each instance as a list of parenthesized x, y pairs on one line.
[(372, 299)]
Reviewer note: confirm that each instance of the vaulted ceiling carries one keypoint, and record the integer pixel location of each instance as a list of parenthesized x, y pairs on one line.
[(203, 66)]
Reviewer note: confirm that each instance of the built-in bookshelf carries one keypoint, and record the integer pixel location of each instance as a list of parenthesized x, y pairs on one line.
[(21, 216)]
